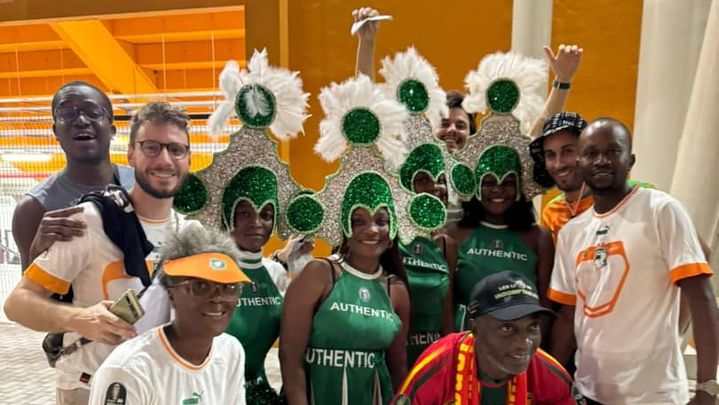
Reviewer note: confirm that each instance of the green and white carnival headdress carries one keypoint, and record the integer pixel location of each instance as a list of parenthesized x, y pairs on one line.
[(365, 129), (412, 81), (508, 85), (249, 169)]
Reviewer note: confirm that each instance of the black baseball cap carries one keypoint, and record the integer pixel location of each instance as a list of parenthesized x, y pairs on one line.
[(557, 122), (505, 296)]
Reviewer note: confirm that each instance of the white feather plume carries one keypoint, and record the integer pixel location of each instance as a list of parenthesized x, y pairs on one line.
[(338, 99), (286, 86), (411, 65), (229, 84), (528, 73)]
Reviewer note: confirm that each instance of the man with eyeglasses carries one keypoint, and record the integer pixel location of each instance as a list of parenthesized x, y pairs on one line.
[(189, 360), (96, 263), (83, 126)]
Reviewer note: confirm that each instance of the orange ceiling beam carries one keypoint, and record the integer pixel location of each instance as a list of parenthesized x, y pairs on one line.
[(182, 36), (39, 60), (46, 73), (108, 59), (183, 27), (190, 52), (33, 37), (219, 65), (22, 12)]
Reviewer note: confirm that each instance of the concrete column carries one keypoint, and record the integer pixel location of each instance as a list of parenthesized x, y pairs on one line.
[(672, 33), (695, 181), (531, 26), (531, 31)]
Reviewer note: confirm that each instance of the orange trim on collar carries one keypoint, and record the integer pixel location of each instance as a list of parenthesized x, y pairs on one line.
[(177, 358), (618, 206)]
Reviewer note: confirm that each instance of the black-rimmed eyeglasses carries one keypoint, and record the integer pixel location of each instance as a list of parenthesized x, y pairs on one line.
[(70, 113), (153, 148)]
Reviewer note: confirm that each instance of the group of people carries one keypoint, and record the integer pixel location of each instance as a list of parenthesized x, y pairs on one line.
[(442, 286)]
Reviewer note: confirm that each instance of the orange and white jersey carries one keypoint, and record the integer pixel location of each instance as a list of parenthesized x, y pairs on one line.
[(94, 266), (146, 370), (621, 270)]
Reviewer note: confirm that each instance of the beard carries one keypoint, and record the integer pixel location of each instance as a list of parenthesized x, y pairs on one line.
[(141, 181)]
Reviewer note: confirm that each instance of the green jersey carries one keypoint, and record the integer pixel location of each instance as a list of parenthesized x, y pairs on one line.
[(256, 321), (428, 278), (489, 250), (351, 330)]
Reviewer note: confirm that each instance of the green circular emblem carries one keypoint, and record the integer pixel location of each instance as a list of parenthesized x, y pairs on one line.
[(360, 126), (305, 214), (191, 197), (255, 106), (503, 96), (427, 211), (413, 95), (463, 180)]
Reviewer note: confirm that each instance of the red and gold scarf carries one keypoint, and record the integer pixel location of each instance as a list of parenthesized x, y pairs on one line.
[(467, 388)]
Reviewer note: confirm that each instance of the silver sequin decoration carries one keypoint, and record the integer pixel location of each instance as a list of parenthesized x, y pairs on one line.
[(247, 147), (502, 130)]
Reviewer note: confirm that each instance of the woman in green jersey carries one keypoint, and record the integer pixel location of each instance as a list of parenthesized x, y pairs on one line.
[(498, 231), (345, 320), (427, 258), (245, 189)]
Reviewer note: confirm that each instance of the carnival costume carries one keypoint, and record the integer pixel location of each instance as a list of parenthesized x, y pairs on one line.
[(506, 84), (249, 169), (355, 325)]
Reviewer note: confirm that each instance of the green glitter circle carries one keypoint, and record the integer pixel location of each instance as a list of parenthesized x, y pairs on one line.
[(191, 197), (413, 95), (255, 183), (371, 191), (360, 126), (427, 157), (427, 211), (305, 214), (463, 180), (263, 98), (503, 96)]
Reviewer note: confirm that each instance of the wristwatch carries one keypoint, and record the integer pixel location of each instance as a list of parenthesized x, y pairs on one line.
[(709, 386)]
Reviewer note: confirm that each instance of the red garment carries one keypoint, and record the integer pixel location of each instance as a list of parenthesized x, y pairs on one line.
[(435, 379)]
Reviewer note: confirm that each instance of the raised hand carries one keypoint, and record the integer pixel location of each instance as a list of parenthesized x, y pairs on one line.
[(565, 62), (368, 32)]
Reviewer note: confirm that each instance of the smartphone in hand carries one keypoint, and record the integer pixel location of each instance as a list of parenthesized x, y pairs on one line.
[(128, 307)]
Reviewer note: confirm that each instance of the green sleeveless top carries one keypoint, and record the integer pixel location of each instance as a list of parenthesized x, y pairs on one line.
[(345, 359), (489, 250), (256, 321), (428, 278)]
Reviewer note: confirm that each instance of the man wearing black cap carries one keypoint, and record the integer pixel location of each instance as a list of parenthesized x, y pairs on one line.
[(555, 163), (499, 361)]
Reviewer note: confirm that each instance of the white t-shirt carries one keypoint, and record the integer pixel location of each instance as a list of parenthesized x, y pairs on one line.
[(621, 270), (147, 371), (94, 266)]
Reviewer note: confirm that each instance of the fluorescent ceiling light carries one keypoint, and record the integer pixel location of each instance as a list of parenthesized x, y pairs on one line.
[(27, 157)]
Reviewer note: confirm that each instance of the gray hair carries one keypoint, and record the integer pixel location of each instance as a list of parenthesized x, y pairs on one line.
[(195, 239)]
